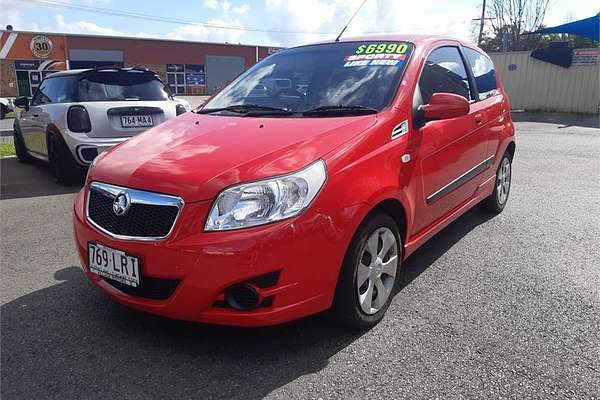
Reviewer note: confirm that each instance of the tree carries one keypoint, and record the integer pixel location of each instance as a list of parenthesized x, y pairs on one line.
[(510, 19)]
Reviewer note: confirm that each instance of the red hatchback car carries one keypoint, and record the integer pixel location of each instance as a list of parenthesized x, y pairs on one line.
[(301, 186)]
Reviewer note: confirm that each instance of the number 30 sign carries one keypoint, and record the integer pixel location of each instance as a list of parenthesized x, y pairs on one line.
[(41, 46)]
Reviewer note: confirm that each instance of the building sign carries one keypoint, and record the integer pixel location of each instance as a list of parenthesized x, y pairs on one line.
[(174, 67), (194, 75), (41, 46), (273, 50), (27, 64), (586, 56)]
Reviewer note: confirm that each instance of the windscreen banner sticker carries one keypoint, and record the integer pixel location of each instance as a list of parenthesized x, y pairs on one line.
[(382, 48), (363, 60)]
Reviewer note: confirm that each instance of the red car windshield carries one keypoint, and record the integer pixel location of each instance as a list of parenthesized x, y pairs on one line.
[(346, 74)]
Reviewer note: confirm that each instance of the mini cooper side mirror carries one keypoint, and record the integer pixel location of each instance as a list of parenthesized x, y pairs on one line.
[(22, 102), (445, 106)]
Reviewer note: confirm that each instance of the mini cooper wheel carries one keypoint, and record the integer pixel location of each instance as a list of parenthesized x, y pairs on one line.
[(20, 149), (497, 200), (369, 273), (61, 161)]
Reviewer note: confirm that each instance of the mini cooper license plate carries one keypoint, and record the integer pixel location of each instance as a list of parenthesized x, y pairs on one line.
[(136, 121), (114, 264)]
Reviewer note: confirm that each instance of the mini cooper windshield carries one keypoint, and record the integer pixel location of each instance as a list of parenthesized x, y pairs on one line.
[(348, 78)]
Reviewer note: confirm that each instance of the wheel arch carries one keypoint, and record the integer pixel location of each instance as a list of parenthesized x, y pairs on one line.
[(394, 208)]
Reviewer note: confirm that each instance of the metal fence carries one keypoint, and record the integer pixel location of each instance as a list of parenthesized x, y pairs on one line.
[(535, 85)]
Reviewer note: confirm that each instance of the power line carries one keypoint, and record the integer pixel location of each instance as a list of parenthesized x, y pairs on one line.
[(177, 21)]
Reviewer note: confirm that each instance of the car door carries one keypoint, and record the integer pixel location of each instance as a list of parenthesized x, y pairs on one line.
[(35, 135), (451, 151)]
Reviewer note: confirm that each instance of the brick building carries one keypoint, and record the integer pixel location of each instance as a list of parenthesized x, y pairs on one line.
[(189, 67)]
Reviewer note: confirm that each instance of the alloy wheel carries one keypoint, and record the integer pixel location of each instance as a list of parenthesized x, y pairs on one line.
[(377, 270), (503, 181)]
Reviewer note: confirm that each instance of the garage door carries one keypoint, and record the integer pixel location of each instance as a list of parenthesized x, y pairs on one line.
[(222, 69)]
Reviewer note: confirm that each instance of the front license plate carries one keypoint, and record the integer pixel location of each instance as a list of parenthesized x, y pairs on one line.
[(114, 264), (136, 121)]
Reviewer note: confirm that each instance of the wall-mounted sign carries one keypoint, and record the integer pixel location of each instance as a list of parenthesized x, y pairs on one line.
[(27, 64), (586, 56), (194, 75), (41, 46), (174, 67), (272, 50)]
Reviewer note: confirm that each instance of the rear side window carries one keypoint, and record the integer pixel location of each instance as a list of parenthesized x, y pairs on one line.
[(484, 73), (444, 72), (56, 90), (121, 86)]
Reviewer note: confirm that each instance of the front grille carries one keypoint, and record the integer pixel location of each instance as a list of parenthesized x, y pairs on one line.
[(149, 288), (142, 220)]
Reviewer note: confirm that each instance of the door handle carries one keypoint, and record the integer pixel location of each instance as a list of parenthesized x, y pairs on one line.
[(478, 118)]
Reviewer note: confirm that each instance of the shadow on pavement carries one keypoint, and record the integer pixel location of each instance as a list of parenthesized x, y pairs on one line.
[(437, 246), (566, 120), (20, 180), (70, 341)]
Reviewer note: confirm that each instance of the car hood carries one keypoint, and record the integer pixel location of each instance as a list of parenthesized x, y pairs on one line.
[(196, 156)]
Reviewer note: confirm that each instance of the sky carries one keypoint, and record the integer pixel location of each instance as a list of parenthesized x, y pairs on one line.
[(308, 20)]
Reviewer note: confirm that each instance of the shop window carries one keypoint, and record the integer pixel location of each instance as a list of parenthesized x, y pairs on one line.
[(176, 78)]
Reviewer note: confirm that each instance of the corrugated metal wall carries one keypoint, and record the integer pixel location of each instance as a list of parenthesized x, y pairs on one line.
[(540, 86)]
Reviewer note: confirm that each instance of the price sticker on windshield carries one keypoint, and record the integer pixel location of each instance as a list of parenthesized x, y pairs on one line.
[(382, 48)]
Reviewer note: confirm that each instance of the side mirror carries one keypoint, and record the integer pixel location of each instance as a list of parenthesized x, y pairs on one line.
[(22, 102), (445, 106)]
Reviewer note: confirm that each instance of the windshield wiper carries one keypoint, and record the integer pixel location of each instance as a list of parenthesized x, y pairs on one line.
[(253, 109), (340, 110)]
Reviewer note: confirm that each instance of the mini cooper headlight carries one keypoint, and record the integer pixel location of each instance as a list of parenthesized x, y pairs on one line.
[(269, 200)]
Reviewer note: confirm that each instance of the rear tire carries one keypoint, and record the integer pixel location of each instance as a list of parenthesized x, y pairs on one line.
[(63, 166), (369, 274), (495, 203), (20, 149)]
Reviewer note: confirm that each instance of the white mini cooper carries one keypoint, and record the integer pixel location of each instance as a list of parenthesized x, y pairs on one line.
[(75, 115)]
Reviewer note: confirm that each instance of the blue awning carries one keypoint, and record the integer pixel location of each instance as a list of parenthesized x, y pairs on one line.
[(588, 27)]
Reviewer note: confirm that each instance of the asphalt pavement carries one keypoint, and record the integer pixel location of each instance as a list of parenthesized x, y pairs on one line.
[(492, 307)]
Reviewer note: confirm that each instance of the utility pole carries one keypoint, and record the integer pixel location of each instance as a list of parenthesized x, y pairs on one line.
[(481, 24)]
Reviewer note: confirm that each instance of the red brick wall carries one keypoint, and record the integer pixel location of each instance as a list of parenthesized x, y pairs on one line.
[(8, 79)]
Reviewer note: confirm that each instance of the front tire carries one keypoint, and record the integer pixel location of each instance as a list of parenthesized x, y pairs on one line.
[(495, 203), (20, 149), (63, 166), (368, 277)]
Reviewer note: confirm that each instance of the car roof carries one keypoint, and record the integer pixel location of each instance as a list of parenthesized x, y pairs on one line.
[(72, 72), (417, 40)]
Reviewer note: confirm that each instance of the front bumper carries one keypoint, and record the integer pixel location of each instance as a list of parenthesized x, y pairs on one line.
[(307, 251)]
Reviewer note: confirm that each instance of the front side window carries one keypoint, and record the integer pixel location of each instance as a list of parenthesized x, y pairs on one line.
[(346, 74), (484, 73), (121, 86), (40, 97), (444, 72)]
